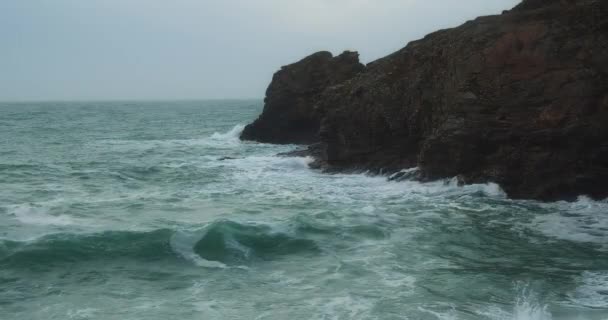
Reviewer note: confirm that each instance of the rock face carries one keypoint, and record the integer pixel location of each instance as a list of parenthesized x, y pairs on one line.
[(520, 99), (290, 113)]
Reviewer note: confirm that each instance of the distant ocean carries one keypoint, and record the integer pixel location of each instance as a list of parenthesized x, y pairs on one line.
[(156, 210)]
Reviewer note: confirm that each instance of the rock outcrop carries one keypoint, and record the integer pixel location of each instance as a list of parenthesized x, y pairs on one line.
[(290, 113), (520, 99)]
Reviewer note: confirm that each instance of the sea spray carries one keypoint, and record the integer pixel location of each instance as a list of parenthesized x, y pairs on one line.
[(528, 306), (230, 136)]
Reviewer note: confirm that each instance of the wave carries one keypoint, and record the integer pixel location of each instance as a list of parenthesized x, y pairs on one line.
[(231, 135), (228, 139), (529, 307), (219, 244), (234, 243), (183, 242), (451, 187), (526, 306), (10, 167), (593, 290), (274, 164), (290, 178), (37, 215), (582, 221), (61, 248)]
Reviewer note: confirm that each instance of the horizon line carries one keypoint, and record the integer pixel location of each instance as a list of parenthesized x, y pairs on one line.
[(127, 100)]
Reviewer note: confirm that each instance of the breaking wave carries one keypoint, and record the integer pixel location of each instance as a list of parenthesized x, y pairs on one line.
[(219, 244), (231, 135)]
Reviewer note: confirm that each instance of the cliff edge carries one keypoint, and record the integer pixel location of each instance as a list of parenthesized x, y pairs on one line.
[(291, 113), (520, 99)]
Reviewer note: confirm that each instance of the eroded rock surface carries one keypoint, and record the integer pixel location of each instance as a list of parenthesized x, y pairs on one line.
[(520, 99), (291, 114)]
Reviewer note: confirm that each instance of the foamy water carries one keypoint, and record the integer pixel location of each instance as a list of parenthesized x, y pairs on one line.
[(156, 211)]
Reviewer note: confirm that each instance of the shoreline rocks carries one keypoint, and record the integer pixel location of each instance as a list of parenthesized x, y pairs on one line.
[(291, 114), (520, 99)]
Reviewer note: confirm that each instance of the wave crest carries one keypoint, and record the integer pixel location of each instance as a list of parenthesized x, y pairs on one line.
[(231, 135), (220, 244), (234, 243), (56, 249)]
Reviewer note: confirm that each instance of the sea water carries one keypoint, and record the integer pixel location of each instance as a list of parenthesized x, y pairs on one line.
[(156, 210)]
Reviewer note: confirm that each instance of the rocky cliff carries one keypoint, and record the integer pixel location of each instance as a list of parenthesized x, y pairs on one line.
[(520, 99), (290, 112)]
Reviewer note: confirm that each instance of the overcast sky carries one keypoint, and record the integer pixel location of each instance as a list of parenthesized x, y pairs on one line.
[(189, 49)]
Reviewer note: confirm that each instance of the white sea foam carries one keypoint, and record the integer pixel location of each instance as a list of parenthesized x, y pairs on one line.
[(441, 315), (231, 135), (403, 282), (582, 221), (274, 163), (527, 306), (38, 215), (593, 290), (207, 309), (229, 139), (404, 172), (343, 307), (291, 175), (183, 242), (82, 314)]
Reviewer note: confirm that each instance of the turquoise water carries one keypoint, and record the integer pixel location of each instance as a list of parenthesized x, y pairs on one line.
[(126, 210)]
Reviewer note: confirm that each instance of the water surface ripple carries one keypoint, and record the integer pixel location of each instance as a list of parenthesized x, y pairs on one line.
[(156, 210)]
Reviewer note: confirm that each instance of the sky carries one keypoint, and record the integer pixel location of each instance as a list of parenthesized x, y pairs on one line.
[(197, 49)]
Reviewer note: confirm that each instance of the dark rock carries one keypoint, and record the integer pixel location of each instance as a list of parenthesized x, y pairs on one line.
[(315, 150), (290, 113), (520, 99)]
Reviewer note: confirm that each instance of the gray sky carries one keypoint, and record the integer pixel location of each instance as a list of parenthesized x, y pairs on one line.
[(188, 49)]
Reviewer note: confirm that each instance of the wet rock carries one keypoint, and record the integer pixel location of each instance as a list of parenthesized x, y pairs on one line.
[(314, 150), (520, 99), (291, 114)]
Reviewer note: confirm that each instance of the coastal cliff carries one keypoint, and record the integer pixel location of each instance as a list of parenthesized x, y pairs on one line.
[(290, 112), (520, 99)]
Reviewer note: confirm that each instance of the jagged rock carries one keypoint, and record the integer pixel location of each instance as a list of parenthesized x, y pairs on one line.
[(290, 113), (314, 150), (520, 99)]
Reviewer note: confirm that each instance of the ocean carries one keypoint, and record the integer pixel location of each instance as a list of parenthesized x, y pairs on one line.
[(156, 210)]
